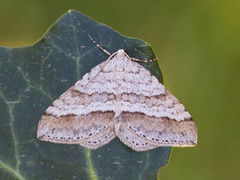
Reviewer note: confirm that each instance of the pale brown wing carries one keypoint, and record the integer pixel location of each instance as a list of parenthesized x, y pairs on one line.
[(91, 131), (142, 133), (83, 114), (150, 115)]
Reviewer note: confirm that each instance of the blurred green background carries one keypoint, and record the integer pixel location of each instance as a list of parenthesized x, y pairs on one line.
[(198, 46)]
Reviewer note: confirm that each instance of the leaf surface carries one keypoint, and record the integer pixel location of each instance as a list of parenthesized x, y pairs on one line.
[(34, 76)]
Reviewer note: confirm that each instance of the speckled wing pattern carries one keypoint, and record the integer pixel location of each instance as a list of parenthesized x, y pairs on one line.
[(118, 98)]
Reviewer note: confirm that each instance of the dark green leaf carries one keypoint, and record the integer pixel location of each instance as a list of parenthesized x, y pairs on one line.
[(32, 77)]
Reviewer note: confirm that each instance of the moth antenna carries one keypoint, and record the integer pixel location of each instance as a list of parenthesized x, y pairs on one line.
[(140, 60), (108, 53), (104, 50)]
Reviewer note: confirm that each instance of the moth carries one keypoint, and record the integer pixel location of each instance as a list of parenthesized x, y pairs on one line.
[(118, 98)]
